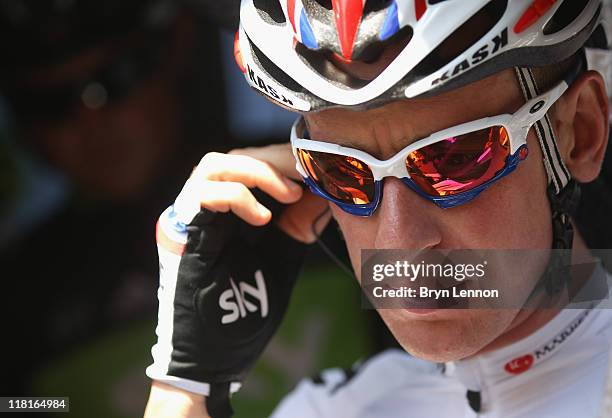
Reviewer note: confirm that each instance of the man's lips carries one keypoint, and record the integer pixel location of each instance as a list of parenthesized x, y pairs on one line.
[(407, 272), (429, 302)]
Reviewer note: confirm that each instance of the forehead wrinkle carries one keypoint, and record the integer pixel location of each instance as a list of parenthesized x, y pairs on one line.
[(411, 130), (381, 125), (345, 142), (473, 109), (388, 143), (383, 141)]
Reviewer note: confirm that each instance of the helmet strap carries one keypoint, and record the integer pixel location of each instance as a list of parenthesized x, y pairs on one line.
[(558, 174), (563, 194)]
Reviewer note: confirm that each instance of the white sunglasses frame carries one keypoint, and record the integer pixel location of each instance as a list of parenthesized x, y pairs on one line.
[(516, 124)]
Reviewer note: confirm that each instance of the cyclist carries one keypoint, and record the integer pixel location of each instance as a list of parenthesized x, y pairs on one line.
[(389, 91)]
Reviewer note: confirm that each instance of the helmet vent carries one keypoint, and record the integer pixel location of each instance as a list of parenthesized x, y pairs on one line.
[(372, 52), (270, 11), (469, 33), (326, 4), (565, 14), (320, 61), (372, 6), (273, 70), (324, 63)]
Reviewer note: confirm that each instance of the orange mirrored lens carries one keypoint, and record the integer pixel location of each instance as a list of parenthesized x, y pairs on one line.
[(345, 178), (461, 163)]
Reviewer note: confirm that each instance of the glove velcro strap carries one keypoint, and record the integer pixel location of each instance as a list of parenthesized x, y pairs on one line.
[(218, 402)]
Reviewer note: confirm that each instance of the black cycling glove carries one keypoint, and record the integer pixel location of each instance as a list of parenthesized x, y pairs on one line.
[(224, 289)]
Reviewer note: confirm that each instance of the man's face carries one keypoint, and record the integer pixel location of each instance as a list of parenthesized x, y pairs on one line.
[(514, 213), (113, 152)]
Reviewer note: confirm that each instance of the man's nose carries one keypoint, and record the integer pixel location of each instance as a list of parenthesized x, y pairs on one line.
[(407, 221)]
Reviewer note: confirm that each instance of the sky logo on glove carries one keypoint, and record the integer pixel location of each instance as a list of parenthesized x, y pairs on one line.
[(234, 300)]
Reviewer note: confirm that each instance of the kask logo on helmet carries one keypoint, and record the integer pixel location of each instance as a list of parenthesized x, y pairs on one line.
[(489, 49), (258, 82)]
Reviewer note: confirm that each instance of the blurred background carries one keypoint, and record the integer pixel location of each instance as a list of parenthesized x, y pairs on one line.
[(105, 107)]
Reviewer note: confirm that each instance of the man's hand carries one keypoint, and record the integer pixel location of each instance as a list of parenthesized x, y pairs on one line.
[(298, 219), (223, 183), (166, 401), (227, 271)]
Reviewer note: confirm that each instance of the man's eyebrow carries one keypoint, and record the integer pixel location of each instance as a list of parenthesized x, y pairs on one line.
[(345, 142), (306, 128), (306, 124), (348, 143)]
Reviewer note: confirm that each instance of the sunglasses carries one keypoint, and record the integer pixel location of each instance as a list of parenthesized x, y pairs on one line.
[(114, 80), (449, 168)]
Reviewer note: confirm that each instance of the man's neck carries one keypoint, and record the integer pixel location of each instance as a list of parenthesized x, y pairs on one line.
[(529, 321)]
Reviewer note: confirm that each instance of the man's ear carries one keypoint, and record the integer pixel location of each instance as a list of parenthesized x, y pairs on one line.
[(582, 125)]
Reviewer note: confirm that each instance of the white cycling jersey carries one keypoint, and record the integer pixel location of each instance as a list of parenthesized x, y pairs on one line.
[(560, 371)]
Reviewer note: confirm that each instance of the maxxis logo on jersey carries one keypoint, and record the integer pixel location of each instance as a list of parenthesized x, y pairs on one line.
[(235, 302), (519, 364), (523, 363)]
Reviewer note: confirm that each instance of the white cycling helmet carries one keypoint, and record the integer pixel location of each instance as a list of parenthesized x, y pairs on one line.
[(293, 50)]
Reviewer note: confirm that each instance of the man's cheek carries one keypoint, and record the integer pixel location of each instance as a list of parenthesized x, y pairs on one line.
[(509, 214), (356, 233)]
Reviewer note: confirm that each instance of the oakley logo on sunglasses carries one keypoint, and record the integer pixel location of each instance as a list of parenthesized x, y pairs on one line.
[(496, 44), (536, 107)]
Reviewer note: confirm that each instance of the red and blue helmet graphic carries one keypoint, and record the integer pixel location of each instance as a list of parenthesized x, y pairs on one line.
[(345, 27)]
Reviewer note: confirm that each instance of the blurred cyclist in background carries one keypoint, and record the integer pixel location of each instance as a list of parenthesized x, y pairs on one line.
[(478, 119), (112, 96)]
